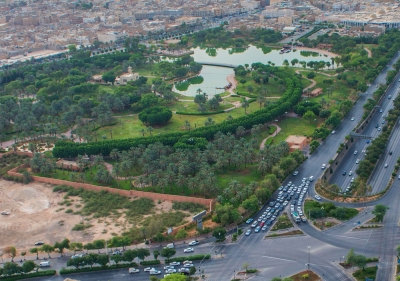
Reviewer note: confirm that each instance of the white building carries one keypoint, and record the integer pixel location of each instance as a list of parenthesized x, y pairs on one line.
[(277, 13), (109, 36), (125, 78)]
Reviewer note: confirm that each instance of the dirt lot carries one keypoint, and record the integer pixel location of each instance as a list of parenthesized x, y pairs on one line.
[(35, 215)]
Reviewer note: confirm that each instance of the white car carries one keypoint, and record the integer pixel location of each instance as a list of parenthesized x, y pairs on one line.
[(174, 263), (285, 203), (248, 231), (184, 270), (323, 166), (357, 161), (355, 152), (352, 118), (188, 265), (148, 269), (195, 242), (155, 272), (133, 270), (386, 165), (317, 197), (188, 250), (168, 267), (171, 270)]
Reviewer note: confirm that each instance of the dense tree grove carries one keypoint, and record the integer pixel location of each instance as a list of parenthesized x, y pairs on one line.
[(291, 96), (157, 115)]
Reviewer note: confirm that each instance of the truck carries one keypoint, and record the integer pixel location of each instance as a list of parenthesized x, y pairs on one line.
[(296, 217), (170, 245)]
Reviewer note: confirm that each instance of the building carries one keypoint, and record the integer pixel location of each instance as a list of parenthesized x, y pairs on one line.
[(110, 36), (187, 20), (125, 78), (296, 142), (276, 13), (285, 20), (316, 92), (289, 29)]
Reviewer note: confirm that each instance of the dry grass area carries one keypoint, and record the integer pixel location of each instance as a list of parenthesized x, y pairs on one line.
[(287, 233), (337, 198), (301, 276), (37, 215)]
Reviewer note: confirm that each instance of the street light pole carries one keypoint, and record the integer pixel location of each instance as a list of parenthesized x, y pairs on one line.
[(309, 247)]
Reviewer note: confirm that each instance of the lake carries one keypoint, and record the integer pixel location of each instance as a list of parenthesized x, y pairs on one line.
[(215, 77)]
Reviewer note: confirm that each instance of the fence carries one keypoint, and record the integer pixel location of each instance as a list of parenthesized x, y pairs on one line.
[(129, 193)]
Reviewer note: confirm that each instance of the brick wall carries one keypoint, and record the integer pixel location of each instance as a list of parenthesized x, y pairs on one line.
[(129, 193)]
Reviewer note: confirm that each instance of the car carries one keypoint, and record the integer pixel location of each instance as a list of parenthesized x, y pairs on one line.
[(294, 202), (344, 173), (298, 209), (380, 110), (250, 220), (285, 203), (273, 218), (377, 125), (333, 132), (175, 263), (44, 264), (383, 121), (187, 261), (258, 228), (259, 219), (355, 152), (317, 197), (254, 224), (379, 128), (304, 219), (76, 256), (386, 165), (194, 242), (295, 173), (389, 97), (188, 265), (264, 228), (273, 210), (276, 213), (147, 269), (280, 188), (183, 269), (311, 178), (357, 161), (133, 270), (391, 152), (268, 209), (277, 205), (352, 118), (188, 250), (350, 173), (323, 166), (248, 231), (398, 177), (285, 189), (281, 208), (301, 213), (155, 272), (272, 203), (38, 243), (352, 179), (171, 270), (117, 252)]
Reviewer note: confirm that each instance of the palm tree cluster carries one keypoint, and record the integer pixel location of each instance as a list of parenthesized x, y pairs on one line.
[(195, 170)]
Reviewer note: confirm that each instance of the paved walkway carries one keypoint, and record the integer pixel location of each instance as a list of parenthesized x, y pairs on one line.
[(313, 82), (278, 129), (368, 51)]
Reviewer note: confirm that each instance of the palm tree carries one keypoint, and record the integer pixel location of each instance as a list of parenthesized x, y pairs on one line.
[(150, 130), (245, 104), (199, 91), (142, 131), (261, 99), (114, 154)]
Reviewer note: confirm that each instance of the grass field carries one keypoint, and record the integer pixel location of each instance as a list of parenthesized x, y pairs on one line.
[(274, 89), (368, 272), (294, 126), (130, 126)]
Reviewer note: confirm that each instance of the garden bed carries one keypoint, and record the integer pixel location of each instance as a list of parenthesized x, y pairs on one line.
[(288, 233)]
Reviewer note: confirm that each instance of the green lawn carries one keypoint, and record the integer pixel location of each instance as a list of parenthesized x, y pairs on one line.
[(294, 126), (187, 106), (274, 89), (243, 176), (130, 126), (310, 205), (262, 135), (368, 272)]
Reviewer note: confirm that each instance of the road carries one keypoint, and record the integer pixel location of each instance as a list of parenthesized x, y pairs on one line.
[(295, 37), (287, 256), (348, 163)]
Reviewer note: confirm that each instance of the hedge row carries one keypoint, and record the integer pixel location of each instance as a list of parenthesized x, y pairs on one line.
[(292, 96), (96, 268), (30, 275), (200, 113), (152, 262), (191, 258)]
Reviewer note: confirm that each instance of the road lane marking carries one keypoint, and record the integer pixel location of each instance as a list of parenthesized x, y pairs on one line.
[(347, 237), (269, 257)]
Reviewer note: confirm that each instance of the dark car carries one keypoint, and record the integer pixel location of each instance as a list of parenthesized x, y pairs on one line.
[(269, 222), (281, 208), (377, 125), (391, 152), (296, 196), (294, 202), (344, 173), (272, 203)]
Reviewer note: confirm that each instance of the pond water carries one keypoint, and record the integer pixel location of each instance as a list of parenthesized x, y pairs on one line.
[(214, 76)]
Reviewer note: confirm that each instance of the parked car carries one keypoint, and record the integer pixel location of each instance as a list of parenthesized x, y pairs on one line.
[(249, 220), (38, 243), (133, 270), (248, 232), (175, 263)]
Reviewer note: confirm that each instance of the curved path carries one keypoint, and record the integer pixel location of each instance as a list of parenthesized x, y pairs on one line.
[(278, 129), (368, 51)]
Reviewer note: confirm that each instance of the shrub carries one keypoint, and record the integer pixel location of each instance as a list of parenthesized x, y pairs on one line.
[(191, 258), (153, 262), (96, 268), (30, 275), (156, 115)]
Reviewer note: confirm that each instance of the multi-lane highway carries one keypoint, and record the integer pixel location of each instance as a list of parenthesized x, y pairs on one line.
[(283, 257), (345, 171)]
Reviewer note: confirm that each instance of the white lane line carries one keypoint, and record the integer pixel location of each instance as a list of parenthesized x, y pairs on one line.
[(348, 237), (269, 257)]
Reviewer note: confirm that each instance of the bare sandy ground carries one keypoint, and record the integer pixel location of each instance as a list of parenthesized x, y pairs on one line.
[(36, 215)]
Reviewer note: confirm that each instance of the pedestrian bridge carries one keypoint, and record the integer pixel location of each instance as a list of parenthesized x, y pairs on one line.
[(218, 64)]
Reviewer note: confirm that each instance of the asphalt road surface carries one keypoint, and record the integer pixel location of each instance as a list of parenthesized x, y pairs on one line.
[(348, 162), (321, 250)]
